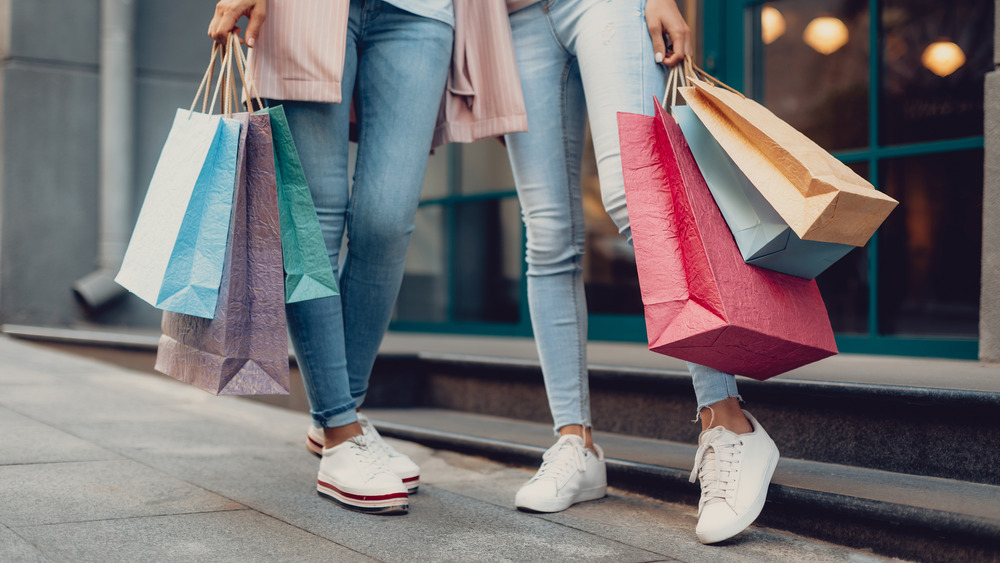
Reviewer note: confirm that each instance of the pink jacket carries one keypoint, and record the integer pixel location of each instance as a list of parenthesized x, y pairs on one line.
[(300, 56)]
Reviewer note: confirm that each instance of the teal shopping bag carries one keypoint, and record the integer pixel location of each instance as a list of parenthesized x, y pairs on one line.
[(308, 272), (175, 256), (763, 237)]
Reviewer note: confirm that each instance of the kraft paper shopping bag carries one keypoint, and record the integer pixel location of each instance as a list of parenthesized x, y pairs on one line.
[(763, 237), (702, 302), (818, 196)]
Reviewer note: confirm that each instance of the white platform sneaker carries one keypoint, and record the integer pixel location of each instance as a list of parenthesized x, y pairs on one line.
[(735, 470), (355, 477), (570, 473), (400, 464)]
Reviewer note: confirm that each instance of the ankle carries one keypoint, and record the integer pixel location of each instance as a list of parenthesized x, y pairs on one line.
[(579, 430), (727, 414), (339, 434)]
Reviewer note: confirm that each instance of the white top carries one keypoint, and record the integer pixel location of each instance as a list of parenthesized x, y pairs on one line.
[(440, 10)]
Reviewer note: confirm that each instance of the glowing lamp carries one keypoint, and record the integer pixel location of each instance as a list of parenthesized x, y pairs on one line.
[(826, 35), (943, 58), (772, 24)]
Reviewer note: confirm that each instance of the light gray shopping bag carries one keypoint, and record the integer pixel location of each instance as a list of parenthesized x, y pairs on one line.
[(763, 237)]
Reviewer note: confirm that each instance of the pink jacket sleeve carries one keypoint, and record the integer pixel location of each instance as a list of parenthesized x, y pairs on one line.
[(300, 50), (300, 56)]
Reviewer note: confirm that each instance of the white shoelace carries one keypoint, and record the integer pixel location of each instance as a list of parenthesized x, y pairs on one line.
[(717, 465), (371, 461), (375, 441), (561, 461)]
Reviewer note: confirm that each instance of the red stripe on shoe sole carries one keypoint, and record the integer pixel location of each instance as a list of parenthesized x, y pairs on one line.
[(364, 498)]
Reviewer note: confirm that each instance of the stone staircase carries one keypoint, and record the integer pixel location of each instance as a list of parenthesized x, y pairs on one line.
[(885, 462)]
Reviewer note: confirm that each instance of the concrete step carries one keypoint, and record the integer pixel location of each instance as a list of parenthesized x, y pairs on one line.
[(909, 516), (934, 432)]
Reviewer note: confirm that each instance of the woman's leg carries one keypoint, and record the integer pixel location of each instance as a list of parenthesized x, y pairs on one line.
[(402, 70), (619, 73), (316, 326), (546, 164)]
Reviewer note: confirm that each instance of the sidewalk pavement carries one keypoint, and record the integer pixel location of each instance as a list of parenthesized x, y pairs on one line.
[(99, 463)]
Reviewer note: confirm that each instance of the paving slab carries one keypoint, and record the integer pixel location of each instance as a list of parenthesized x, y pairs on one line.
[(242, 536), (81, 491), (26, 440), (205, 478), (15, 548), (666, 529)]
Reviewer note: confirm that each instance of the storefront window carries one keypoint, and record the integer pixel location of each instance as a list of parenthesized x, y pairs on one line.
[(814, 68), (929, 248), (934, 57)]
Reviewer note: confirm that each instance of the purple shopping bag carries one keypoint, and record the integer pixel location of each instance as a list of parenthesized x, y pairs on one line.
[(244, 349)]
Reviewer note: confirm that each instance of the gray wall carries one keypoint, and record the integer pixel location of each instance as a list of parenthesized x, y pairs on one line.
[(49, 88), (989, 312)]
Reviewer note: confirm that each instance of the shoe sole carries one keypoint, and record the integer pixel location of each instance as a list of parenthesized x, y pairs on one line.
[(722, 534), (389, 503), (412, 482), (558, 505)]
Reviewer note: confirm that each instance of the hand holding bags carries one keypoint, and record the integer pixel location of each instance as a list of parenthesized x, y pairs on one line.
[(244, 349), (702, 302), (174, 259)]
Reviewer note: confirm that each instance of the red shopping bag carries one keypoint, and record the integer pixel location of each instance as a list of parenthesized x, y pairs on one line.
[(702, 302)]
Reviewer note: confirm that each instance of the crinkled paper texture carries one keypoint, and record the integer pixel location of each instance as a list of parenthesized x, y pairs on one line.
[(702, 302), (244, 349)]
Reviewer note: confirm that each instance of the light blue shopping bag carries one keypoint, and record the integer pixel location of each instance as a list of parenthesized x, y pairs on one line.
[(175, 257), (764, 239)]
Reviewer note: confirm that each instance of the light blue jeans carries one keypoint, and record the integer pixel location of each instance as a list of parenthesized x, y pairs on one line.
[(578, 57), (399, 63)]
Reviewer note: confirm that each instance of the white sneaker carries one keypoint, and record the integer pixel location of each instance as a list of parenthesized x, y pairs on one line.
[(570, 473), (735, 470), (400, 464), (355, 477)]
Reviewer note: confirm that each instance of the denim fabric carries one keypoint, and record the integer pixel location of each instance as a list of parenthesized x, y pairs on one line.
[(565, 48), (396, 65)]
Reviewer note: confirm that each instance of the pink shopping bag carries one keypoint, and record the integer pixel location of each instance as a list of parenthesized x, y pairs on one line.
[(702, 302)]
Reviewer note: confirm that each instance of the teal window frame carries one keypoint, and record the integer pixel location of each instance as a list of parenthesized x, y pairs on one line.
[(724, 55)]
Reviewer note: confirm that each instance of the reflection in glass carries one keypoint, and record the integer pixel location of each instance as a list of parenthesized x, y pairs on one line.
[(472, 277), (424, 293), (822, 95), (930, 247), (918, 103), (772, 24), (487, 261), (943, 58), (844, 286), (826, 35)]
